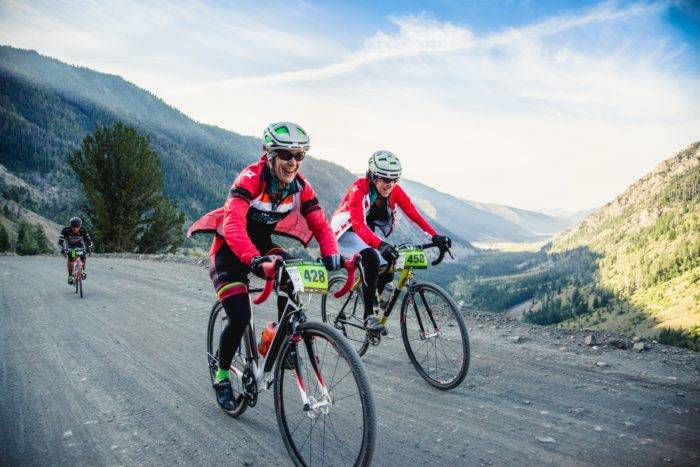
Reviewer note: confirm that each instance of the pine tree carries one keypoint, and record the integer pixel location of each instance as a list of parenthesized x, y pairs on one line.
[(123, 183), (40, 240), (4, 239), (26, 243)]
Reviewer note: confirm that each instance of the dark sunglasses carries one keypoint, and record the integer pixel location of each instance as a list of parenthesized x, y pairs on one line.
[(386, 180), (287, 155)]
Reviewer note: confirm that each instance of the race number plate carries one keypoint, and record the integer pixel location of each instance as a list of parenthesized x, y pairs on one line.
[(412, 259), (309, 277)]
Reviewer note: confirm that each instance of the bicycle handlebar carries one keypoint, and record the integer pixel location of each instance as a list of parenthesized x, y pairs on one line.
[(350, 265), (440, 257), (270, 270)]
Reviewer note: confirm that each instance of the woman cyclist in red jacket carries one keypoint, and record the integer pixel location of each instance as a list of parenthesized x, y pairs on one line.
[(268, 197), (370, 204)]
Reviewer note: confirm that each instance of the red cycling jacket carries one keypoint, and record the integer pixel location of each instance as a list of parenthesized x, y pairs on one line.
[(250, 209), (353, 209)]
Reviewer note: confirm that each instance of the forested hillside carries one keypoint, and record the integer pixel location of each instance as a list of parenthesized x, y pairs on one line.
[(47, 107), (632, 266)]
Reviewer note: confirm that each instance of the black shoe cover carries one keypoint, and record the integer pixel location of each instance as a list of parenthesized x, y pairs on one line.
[(224, 395)]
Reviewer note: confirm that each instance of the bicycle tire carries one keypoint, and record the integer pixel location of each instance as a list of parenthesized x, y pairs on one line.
[(358, 337), (217, 312), (80, 284), (75, 278), (451, 311), (312, 332)]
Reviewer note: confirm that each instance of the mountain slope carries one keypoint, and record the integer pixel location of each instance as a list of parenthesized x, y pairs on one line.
[(47, 107), (43, 121), (483, 221), (648, 240), (633, 266)]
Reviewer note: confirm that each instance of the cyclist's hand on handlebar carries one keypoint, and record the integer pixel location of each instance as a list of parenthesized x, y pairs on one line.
[(443, 243), (256, 265), (388, 252), (332, 262)]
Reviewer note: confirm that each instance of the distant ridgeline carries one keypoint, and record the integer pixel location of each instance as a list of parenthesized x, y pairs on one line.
[(47, 107), (632, 266)]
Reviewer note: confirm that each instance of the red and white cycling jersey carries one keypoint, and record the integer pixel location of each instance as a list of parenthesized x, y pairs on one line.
[(355, 205), (251, 210)]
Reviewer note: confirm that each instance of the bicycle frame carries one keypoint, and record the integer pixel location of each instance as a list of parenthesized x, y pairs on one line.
[(261, 367), (404, 282), (75, 254)]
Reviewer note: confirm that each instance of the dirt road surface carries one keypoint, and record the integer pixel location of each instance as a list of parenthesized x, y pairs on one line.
[(120, 377)]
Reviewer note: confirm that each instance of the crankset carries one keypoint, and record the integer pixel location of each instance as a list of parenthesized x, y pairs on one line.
[(374, 337), (250, 386)]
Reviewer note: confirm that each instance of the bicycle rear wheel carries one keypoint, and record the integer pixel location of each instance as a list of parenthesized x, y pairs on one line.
[(345, 314), (218, 319), (76, 277), (343, 432), (435, 336)]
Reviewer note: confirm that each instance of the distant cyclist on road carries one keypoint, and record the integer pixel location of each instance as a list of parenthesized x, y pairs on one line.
[(74, 236), (268, 197), (370, 204)]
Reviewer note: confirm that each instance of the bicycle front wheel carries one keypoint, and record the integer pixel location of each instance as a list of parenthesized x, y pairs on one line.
[(218, 319), (345, 314), (435, 336), (80, 286), (336, 425)]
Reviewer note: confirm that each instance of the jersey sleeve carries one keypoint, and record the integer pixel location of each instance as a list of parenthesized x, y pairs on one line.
[(235, 212), (87, 240), (410, 210)]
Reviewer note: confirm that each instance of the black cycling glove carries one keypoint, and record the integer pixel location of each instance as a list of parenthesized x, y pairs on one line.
[(332, 262), (388, 252), (256, 265), (443, 243)]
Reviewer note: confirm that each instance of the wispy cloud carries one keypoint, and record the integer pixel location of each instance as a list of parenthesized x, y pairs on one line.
[(420, 35), (562, 112)]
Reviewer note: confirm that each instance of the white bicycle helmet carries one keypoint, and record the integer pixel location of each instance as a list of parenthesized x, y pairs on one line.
[(384, 164), (285, 135)]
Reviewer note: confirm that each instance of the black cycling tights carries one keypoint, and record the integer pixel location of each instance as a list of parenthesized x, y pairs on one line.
[(237, 309), (374, 280)]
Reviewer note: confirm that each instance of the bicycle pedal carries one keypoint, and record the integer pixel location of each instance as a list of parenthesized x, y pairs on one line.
[(374, 338)]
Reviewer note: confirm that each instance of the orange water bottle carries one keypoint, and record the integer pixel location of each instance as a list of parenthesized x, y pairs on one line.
[(268, 333)]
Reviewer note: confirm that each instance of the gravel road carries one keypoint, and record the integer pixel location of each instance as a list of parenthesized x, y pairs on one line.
[(120, 377)]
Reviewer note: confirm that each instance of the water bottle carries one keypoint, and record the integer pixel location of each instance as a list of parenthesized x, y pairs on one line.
[(268, 333), (386, 295)]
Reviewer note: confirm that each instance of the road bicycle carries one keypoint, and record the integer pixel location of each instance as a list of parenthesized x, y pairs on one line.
[(432, 328), (77, 273), (324, 404)]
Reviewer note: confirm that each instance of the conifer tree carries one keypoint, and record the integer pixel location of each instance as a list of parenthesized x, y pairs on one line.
[(4, 239), (123, 183)]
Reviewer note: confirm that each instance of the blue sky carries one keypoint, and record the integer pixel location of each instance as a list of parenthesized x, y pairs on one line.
[(532, 104)]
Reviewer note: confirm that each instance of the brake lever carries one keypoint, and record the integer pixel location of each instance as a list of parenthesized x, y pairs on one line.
[(439, 258)]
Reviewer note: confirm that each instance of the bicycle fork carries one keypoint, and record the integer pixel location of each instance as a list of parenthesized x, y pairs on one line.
[(423, 333), (311, 405)]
